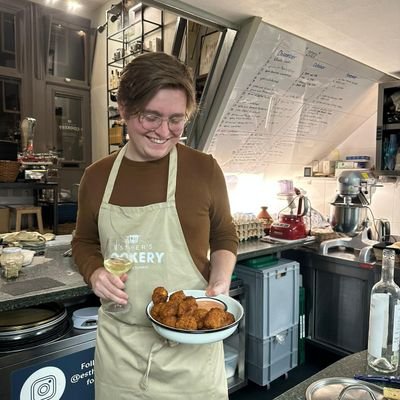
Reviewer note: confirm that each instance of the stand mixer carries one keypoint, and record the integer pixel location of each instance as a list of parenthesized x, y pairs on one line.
[(348, 214), (290, 224)]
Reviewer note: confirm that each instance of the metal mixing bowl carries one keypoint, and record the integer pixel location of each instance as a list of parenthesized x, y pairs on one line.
[(348, 219)]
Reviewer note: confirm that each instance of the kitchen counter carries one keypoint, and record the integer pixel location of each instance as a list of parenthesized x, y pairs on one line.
[(53, 277), (257, 248), (346, 367), (48, 278)]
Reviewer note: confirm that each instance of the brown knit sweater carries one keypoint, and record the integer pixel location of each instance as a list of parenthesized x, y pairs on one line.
[(201, 201)]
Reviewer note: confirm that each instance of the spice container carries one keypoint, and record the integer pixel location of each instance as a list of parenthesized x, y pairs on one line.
[(11, 260), (265, 218)]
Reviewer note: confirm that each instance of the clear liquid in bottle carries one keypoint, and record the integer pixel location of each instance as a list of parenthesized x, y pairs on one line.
[(384, 319)]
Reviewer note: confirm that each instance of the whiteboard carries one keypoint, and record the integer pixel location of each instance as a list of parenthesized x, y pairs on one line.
[(287, 102)]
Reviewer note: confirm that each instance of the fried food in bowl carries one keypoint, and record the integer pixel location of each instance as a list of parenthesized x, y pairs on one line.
[(190, 316), (160, 295)]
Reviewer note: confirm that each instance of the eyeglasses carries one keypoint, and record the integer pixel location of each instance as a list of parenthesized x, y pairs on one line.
[(152, 122)]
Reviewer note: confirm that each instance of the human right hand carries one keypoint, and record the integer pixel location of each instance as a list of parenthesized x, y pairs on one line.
[(108, 286)]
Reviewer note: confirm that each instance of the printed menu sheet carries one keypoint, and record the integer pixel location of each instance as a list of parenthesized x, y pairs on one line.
[(293, 101)]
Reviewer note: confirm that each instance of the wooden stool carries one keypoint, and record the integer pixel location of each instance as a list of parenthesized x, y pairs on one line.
[(29, 211)]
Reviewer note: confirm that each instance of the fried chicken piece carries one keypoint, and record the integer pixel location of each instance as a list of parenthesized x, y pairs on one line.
[(169, 320), (229, 318), (199, 316), (177, 297), (168, 309), (160, 295), (187, 306), (186, 322), (155, 311), (214, 319)]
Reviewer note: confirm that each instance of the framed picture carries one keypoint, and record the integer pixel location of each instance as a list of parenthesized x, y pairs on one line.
[(208, 46)]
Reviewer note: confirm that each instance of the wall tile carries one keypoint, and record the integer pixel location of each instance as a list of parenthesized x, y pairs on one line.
[(382, 202)]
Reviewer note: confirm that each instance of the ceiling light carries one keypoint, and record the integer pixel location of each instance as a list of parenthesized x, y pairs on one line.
[(73, 5), (114, 17)]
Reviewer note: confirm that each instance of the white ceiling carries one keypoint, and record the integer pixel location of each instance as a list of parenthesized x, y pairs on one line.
[(365, 30)]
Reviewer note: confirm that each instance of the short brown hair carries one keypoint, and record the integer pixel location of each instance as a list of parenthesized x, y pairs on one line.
[(146, 74)]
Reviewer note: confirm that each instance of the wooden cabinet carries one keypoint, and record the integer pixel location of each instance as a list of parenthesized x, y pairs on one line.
[(337, 293), (388, 129)]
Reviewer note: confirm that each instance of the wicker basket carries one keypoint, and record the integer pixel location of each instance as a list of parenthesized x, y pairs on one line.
[(9, 170)]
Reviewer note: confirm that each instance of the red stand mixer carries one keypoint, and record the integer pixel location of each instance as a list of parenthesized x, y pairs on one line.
[(290, 224)]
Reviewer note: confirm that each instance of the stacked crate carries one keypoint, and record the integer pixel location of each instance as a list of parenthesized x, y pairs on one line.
[(302, 325), (272, 319)]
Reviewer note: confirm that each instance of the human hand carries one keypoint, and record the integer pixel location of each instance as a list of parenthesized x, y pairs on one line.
[(218, 287), (108, 286)]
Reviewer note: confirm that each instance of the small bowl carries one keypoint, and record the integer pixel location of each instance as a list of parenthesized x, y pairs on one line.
[(200, 336), (28, 256)]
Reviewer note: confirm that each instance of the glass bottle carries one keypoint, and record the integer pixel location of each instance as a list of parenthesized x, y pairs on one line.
[(390, 151), (384, 319), (111, 80)]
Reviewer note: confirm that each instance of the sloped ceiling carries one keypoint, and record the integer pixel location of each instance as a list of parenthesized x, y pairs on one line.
[(365, 30), (284, 102)]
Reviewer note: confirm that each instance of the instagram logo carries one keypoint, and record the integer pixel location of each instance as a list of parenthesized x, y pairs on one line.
[(44, 388), (44, 384)]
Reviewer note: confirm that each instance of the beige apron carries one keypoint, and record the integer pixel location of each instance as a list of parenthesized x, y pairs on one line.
[(132, 361)]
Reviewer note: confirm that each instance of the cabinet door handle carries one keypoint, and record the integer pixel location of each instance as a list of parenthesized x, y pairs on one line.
[(281, 337), (280, 274)]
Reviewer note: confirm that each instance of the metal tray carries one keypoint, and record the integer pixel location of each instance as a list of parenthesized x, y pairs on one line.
[(343, 389)]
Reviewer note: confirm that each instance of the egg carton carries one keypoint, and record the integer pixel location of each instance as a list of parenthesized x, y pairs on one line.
[(248, 225), (255, 233)]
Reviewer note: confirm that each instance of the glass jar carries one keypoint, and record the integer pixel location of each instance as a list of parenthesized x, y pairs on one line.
[(11, 260)]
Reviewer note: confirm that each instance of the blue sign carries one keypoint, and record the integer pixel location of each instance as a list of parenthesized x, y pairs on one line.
[(69, 377)]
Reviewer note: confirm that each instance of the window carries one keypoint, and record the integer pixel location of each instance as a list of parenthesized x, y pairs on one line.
[(10, 114), (7, 39), (66, 57)]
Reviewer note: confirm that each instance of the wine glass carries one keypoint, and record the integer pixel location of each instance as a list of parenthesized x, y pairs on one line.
[(117, 261)]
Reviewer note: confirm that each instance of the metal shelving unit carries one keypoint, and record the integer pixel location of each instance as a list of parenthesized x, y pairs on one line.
[(130, 31)]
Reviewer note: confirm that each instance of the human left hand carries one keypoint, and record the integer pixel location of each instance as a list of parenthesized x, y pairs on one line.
[(218, 287)]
